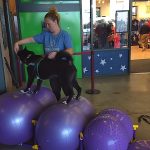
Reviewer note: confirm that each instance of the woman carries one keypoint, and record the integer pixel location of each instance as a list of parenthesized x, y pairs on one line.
[(53, 39)]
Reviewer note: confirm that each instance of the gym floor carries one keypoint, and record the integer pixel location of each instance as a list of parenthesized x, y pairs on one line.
[(129, 93)]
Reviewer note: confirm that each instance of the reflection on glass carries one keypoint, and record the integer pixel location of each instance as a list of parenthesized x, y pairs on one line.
[(107, 33), (121, 21)]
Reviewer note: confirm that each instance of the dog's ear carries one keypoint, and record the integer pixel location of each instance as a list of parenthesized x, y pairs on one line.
[(19, 52), (25, 48)]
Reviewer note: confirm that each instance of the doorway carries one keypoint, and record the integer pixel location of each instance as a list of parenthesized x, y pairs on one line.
[(140, 58)]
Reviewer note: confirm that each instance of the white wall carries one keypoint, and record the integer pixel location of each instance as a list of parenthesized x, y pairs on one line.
[(142, 9)]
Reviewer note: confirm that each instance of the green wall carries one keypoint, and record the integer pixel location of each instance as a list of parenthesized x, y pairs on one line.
[(31, 24)]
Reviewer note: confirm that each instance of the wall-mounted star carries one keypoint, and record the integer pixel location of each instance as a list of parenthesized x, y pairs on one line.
[(98, 55), (97, 71), (85, 70), (89, 57), (103, 62), (120, 55), (123, 68)]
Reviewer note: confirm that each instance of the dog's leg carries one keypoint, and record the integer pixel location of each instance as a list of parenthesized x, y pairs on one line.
[(56, 87), (38, 86), (31, 76), (28, 86), (68, 90), (77, 87)]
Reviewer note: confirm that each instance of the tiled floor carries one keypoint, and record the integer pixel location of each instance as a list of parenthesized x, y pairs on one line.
[(130, 93)]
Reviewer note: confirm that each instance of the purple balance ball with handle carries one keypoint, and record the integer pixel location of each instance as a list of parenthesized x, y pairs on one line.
[(84, 105), (105, 133), (16, 113), (58, 128), (123, 118), (140, 145)]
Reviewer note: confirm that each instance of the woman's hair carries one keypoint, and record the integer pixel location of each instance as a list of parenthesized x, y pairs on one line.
[(53, 14)]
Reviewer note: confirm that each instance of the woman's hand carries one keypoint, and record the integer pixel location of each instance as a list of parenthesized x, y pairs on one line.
[(52, 55), (21, 42), (16, 47)]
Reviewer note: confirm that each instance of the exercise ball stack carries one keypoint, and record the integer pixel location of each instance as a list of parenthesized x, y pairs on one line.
[(58, 128), (123, 118), (85, 107), (16, 113), (105, 133), (140, 145)]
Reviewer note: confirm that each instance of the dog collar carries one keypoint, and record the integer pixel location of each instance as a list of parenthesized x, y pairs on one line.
[(28, 57), (31, 64)]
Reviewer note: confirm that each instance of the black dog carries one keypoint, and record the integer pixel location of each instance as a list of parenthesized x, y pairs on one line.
[(44, 68)]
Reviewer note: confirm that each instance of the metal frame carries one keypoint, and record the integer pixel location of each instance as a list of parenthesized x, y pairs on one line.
[(44, 7)]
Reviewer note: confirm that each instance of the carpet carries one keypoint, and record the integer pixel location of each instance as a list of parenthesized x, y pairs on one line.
[(140, 65)]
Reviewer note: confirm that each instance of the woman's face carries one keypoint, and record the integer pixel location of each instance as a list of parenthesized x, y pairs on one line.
[(50, 24)]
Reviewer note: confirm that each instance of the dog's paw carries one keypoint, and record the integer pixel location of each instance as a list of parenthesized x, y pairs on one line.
[(35, 92), (28, 92), (64, 102), (76, 97), (24, 91)]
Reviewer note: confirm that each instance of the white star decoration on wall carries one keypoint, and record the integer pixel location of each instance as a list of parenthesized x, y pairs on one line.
[(85, 70), (89, 57), (114, 63), (98, 55), (120, 55), (103, 62), (123, 68), (97, 71)]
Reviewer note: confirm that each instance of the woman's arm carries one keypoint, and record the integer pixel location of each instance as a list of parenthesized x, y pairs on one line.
[(69, 50), (21, 42)]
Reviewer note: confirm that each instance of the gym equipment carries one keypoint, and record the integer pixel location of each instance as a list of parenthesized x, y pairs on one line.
[(85, 107), (17, 111), (59, 127), (123, 118), (105, 132), (140, 145)]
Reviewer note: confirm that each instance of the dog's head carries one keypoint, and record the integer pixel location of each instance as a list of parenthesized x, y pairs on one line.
[(25, 55)]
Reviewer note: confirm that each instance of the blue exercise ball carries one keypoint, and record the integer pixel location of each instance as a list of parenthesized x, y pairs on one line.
[(140, 145), (105, 133), (123, 118), (58, 128), (85, 107), (17, 111)]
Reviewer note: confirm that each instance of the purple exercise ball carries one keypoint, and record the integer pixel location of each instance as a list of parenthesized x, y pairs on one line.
[(123, 118), (58, 128), (105, 133), (140, 145), (44, 98), (16, 113), (85, 106)]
